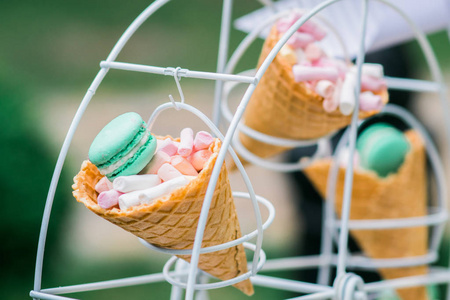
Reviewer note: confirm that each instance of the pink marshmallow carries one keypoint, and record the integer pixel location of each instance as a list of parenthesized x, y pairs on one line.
[(183, 165), (330, 104), (313, 52), (108, 199), (325, 88), (304, 73), (300, 40), (167, 172), (369, 83), (168, 146), (285, 23), (368, 101), (158, 159), (186, 142), (199, 158), (313, 29), (202, 140), (103, 185)]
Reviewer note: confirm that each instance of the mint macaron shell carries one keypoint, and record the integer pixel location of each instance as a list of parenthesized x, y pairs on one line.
[(138, 162), (382, 149), (118, 137)]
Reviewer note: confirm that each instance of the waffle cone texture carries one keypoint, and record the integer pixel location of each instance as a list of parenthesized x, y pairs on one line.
[(284, 108), (171, 221), (399, 195)]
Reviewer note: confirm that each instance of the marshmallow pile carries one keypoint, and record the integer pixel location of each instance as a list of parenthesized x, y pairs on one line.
[(330, 78), (173, 165)]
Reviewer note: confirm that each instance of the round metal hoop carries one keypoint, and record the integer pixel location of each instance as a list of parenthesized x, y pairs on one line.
[(229, 244), (215, 285)]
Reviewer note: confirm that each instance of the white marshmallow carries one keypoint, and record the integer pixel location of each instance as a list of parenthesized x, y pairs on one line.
[(347, 97), (146, 196), (131, 183), (373, 70), (129, 199)]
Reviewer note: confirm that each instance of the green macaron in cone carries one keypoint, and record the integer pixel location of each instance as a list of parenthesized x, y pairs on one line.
[(123, 147)]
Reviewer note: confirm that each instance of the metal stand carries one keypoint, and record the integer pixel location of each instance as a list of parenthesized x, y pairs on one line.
[(346, 285)]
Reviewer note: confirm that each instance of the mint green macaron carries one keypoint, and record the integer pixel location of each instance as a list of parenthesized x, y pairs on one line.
[(123, 147), (382, 148)]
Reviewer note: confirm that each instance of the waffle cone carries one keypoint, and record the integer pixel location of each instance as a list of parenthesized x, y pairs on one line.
[(400, 195), (284, 108), (171, 221)]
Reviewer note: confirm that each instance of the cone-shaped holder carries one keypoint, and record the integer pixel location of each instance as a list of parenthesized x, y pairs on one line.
[(284, 108), (399, 195), (171, 221)]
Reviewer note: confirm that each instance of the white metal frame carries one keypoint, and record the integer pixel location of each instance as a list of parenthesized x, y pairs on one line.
[(347, 285)]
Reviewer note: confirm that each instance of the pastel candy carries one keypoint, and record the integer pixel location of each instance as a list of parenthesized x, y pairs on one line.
[(127, 184), (157, 161), (370, 83), (123, 147), (167, 172), (186, 142), (347, 97), (325, 88), (103, 185), (305, 73), (183, 165), (199, 158), (300, 39), (108, 199), (369, 102), (382, 149), (148, 195), (313, 52), (168, 146), (129, 200), (202, 140)]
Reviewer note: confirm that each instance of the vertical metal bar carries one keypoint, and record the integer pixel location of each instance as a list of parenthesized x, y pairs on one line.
[(222, 57), (73, 126), (343, 235), (226, 143)]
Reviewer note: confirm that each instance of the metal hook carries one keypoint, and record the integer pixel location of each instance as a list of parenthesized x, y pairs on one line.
[(177, 81)]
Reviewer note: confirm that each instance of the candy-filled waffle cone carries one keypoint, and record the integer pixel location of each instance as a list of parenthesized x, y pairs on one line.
[(284, 108), (399, 195), (171, 221)]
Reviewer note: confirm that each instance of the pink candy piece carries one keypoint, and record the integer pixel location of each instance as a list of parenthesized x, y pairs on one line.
[(314, 29), (158, 159), (167, 172), (331, 103), (202, 140), (369, 83), (300, 40), (305, 73), (103, 185), (325, 88), (199, 158), (186, 142), (313, 52), (108, 199), (368, 101), (168, 146), (183, 165)]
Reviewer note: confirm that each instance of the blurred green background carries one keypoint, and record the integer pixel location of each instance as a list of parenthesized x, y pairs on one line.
[(49, 54)]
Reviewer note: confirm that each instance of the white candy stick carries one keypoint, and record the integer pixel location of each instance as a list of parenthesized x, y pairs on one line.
[(373, 70), (131, 183), (146, 196), (347, 100), (129, 199), (325, 88)]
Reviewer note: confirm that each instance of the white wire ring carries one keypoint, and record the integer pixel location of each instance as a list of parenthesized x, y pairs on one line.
[(215, 285), (226, 245)]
